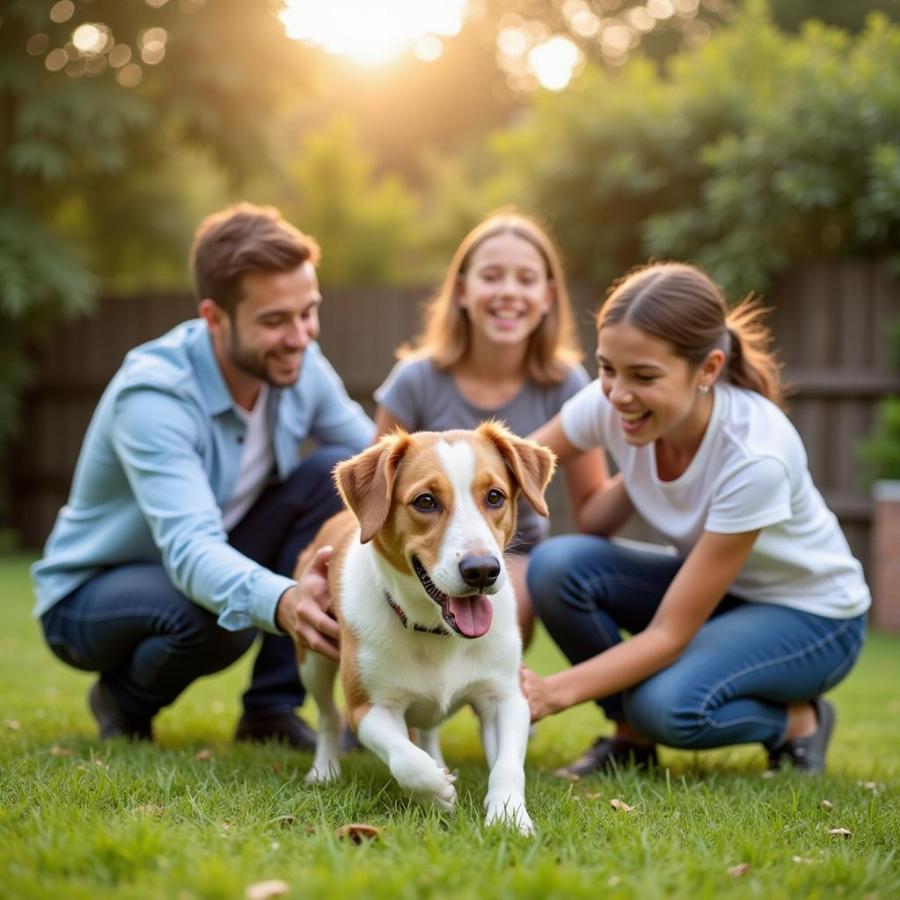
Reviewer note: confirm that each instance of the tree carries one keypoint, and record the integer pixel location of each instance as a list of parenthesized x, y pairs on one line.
[(96, 100), (752, 152)]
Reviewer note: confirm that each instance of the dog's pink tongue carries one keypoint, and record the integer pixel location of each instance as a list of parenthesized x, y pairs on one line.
[(473, 615)]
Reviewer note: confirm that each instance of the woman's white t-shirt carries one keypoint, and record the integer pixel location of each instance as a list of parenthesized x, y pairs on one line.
[(750, 472)]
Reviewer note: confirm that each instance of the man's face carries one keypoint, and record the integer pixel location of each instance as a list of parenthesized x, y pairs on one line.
[(275, 321)]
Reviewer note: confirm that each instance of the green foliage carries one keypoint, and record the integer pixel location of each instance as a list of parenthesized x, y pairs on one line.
[(80, 818), (364, 222), (756, 151), (881, 451), (103, 163)]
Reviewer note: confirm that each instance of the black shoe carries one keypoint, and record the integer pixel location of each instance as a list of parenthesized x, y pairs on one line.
[(112, 720), (607, 754), (807, 754), (350, 743), (283, 727)]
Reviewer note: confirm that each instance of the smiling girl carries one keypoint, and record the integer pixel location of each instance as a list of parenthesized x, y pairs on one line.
[(762, 608), (498, 344)]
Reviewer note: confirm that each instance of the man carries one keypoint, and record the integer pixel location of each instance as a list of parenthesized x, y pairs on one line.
[(191, 501)]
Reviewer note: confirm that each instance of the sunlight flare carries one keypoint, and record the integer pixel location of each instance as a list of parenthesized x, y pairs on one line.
[(374, 32)]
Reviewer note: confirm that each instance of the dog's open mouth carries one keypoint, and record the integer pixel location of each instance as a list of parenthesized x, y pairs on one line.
[(469, 616)]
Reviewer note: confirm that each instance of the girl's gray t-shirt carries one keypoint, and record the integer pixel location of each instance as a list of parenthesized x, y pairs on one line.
[(423, 397)]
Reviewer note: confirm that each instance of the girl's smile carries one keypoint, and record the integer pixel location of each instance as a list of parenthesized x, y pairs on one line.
[(655, 392)]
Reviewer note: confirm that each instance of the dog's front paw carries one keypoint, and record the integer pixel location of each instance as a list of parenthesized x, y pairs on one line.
[(322, 773), (429, 782), (510, 811)]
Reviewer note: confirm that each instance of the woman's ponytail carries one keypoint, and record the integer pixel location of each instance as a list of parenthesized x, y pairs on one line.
[(751, 363)]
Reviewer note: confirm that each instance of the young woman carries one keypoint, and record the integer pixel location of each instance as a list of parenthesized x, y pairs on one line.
[(763, 607), (498, 343)]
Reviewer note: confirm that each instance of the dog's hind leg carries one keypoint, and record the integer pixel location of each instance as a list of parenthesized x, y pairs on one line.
[(318, 674), (429, 739)]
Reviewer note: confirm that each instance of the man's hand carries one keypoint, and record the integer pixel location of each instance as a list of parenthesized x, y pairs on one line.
[(303, 611), (539, 693)]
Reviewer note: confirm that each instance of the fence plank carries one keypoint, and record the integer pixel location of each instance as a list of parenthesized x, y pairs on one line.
[(830, 322)]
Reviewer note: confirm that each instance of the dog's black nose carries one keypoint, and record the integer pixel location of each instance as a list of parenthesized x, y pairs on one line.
[(479, 571)]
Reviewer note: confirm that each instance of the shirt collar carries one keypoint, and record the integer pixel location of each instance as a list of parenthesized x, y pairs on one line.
[(209, 374)]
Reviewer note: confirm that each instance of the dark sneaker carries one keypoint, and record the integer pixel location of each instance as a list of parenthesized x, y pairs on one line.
[(607, 754), (283, 727), (112, 720), (350, 743), (808, 754)]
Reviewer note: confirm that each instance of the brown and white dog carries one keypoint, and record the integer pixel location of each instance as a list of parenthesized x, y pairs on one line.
[(427, 614)]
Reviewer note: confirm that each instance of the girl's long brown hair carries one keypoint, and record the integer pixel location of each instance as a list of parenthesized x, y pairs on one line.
[(680, 304), (552, 347)]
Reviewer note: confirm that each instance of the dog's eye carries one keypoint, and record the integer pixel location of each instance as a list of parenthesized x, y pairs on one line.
[(495, 498), (425, 503)]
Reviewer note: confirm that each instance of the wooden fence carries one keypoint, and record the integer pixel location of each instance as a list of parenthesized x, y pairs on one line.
[(829, 320)]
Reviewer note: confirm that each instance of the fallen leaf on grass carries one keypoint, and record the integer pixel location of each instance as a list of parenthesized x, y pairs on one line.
[(358, 832), (150, 809), (767, 773), (802, 859), (840, 832), (827, 805), (60, 751), (262, 890), (12, 724), (739, 870), (869, 785), (620, 805), (203, 755), (277, 767), (593, 795)]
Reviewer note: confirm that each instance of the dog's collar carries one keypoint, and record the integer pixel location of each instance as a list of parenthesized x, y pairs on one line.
[(404, 619)]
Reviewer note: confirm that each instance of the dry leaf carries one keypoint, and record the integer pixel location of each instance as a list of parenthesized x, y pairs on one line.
[(767, 773), (286, 821), (620, 805), (827, 805), (739, 870), (802, 859), (593, 795), (203, 755), (60, 751), (358, 832), (840, 832), (12, 724), (150, 809), (262, 890), (277, 767)]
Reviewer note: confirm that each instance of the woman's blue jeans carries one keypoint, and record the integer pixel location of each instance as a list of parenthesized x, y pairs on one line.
[(733, 682), (149, 642)]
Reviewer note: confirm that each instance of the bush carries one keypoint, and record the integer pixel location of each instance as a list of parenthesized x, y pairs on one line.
[(756, 151)]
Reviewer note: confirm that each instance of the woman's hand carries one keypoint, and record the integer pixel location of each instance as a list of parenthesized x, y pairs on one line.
[(542, 700)]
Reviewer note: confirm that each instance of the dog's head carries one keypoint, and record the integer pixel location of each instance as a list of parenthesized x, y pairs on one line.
[(442, 506)]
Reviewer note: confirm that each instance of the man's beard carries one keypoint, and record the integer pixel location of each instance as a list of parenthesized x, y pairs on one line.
[(250, 362)]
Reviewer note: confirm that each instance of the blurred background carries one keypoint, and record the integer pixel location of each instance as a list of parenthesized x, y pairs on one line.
[(760, 139)]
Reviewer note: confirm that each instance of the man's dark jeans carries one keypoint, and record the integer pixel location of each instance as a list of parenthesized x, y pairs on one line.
[(149, 642)]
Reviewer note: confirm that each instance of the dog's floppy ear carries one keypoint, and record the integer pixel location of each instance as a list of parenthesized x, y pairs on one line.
[(366, 481), (532, 465)]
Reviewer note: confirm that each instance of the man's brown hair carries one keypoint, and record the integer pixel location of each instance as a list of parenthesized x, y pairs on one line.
[(242, 239)]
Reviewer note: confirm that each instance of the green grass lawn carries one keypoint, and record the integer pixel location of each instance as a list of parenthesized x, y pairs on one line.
[(197, 817)]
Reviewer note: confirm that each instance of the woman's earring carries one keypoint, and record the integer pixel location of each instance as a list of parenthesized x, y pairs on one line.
[(704, 388)]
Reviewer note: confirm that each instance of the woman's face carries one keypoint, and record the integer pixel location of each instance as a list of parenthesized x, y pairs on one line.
[(505, 289), (654, 391)]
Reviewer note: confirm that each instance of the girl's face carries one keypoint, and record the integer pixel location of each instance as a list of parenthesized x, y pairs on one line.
[(655, 391), (505, 289)]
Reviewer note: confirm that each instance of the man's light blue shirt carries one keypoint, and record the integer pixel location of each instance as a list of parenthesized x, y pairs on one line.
[(160, 461)]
